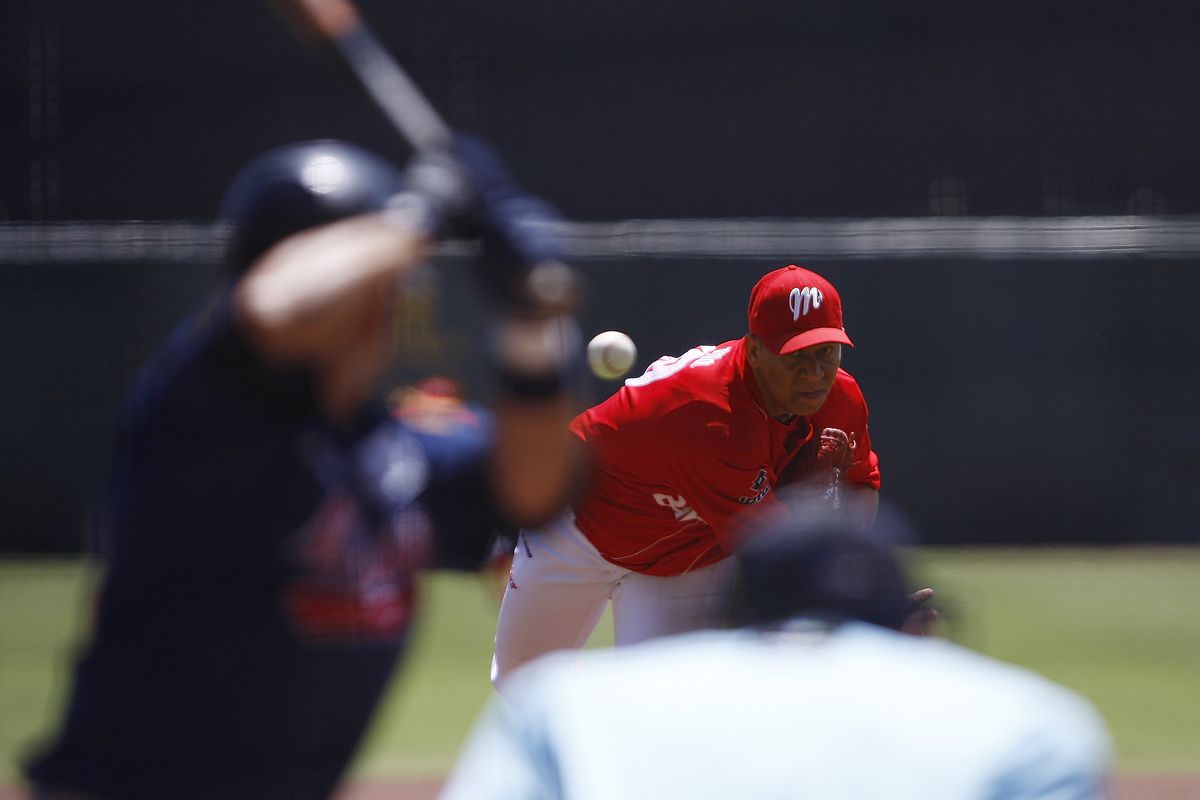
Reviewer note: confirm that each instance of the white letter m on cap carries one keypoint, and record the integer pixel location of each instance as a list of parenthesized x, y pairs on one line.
[(801, 301)]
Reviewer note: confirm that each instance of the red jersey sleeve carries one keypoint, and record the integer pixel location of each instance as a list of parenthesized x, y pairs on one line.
[(724, 478)]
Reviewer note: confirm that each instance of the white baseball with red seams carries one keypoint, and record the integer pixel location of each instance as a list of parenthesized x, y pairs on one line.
[(611, 354)]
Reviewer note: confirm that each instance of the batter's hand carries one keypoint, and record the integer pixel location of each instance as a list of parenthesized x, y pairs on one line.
[(921, 618), (472, 195)]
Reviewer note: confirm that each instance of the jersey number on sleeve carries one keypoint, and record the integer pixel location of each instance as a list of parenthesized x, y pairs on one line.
[(701, 356)]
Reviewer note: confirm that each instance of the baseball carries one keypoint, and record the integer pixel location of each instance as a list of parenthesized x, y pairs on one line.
[(611, 354)]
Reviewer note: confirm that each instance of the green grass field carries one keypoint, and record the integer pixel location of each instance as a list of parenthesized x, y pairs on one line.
[(1117, 625)]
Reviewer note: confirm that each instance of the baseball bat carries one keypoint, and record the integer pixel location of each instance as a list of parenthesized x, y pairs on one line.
[(338, 27)]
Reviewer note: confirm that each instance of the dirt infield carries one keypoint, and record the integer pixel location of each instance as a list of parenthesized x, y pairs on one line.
[(395, 789), (1125, 787), (1185, 786)]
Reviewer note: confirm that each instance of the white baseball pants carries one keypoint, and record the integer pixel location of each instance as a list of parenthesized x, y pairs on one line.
[(559, 586)]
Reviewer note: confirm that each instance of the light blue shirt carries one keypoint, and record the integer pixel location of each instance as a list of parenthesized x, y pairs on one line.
[(858, 713)]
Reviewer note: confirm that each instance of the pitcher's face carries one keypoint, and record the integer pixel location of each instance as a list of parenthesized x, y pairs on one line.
[(797, 382)]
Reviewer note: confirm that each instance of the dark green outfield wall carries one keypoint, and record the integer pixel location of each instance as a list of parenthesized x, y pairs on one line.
[(1013, 401)]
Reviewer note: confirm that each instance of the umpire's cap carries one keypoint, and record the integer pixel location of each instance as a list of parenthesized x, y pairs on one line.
[(298, 186), (813, 564)]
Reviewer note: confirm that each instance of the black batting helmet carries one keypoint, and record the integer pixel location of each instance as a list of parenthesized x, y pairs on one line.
[(299, 186)]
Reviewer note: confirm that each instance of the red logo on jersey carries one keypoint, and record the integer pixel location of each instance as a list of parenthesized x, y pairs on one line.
[(355, 582)]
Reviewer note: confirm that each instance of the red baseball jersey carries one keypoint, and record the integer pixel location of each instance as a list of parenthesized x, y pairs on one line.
[(683, 455)]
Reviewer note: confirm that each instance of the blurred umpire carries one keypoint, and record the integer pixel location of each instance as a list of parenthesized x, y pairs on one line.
[(817, 693), (266, 514)]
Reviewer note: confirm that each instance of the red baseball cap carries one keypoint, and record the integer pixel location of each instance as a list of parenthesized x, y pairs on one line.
[(793, 308)]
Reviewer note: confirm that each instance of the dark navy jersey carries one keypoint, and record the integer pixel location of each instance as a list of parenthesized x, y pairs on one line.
[(259, 577)]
